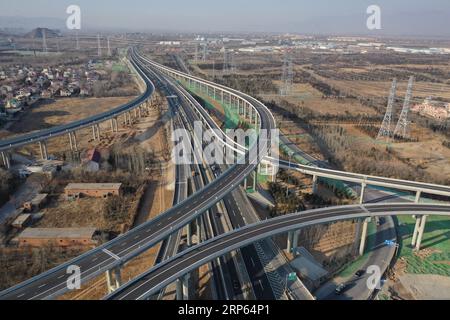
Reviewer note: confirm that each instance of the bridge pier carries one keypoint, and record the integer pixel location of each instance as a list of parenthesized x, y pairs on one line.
[(73, 141), (362, 244), (295, 243), (189, 235), (6, 160), (314, 185), (43, 150), (416, 230), (179, 290), (418, 196), (113, 279), (361, 197), (423, 222), (186, 286), (290, 240), (198, 222)]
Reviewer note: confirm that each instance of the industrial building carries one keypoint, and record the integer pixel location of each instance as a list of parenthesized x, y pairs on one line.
[(97, 190), (62, 237)]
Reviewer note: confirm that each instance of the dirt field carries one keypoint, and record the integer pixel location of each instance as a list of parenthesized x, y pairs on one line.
[(61, 111), (157, 199)]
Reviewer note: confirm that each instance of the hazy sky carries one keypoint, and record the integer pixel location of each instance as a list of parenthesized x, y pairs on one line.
[(399, 17)]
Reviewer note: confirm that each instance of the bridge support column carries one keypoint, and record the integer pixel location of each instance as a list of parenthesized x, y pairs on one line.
[(361, 197), (418, 196), (255, 178), (116, 124), (362, 244), (74, 141), (423, 223), (186, 286), (94, 133), (179, 285), (139, 112), (189, 235), (290, 240), (117, 277), (416, 230), (6, 161), (295, 243), (314, 185), (198, 226), (43, 150), (112, 125)]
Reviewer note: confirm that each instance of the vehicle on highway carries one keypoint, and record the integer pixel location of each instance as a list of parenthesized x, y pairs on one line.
[(340, 289), (360, 273)]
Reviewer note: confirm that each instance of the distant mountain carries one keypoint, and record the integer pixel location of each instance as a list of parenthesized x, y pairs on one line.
[(38, 33), (21, 25)]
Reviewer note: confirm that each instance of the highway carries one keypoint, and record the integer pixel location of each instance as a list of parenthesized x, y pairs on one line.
[(122, 249), (162, 275)]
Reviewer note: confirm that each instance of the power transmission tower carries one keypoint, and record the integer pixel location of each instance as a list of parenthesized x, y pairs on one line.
[(205, 51), (44, 41), (196, 53), (402, 129), (99, 52), (225, 68), (109, 48), (287, 75), (386, 127), (77, 41)]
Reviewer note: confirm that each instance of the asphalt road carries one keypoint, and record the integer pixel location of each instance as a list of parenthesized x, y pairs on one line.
[(138, 240), (166, 273)]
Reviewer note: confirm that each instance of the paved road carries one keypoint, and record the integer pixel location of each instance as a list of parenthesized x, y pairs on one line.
[(138, 240), (165, 273)]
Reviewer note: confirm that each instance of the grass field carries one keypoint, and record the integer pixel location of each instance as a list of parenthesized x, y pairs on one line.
[(436, 242), (355, 265)]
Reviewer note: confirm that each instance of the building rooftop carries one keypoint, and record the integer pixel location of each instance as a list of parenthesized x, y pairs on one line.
[(58, 233), (93, 186)]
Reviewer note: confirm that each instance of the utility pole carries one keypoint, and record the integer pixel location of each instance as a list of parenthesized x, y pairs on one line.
[(99, 52), (77, 40), (44, 41), (109, 48)]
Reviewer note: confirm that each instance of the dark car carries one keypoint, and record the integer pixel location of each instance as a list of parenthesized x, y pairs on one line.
[(340, 289), (360, 273), (236, 285)]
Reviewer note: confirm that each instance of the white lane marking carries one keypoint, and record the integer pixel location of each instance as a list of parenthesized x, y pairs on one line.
[(62, 276), (111, 254), (20, 295), (95, 259), (260, 284), (42, 285)]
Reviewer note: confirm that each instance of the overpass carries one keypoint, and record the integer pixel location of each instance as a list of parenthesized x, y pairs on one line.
[(112, 255), (169, 271)]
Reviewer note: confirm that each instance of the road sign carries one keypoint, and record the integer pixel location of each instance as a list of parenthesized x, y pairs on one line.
[(292, 276)]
